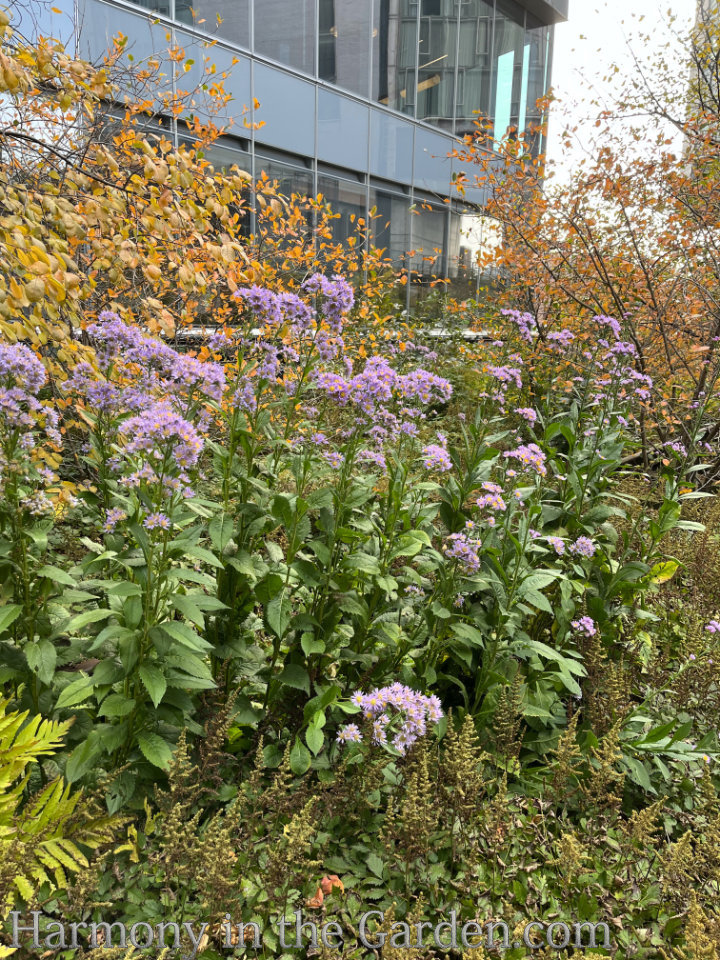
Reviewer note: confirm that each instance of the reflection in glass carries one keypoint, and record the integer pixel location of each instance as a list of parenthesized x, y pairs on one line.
[(285, 31), (437, 47), (429, 240), (327, 38), (348, 203), (509, 57), (291, 180), (208, 14), (474, 64), (394, 76), (390, 225), (344, 44), (537, 42)]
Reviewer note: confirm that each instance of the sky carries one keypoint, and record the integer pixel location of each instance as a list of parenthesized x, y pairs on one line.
[(598, 35)]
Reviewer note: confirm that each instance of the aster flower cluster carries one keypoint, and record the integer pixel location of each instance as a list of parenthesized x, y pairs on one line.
[(436, 458), (159, 429), (525, 323), (394, 709), (377, 383), (583, 547), (465, 550), (22, 376), (338, 297), (25, 420), (530, 455), (491, 501), (585, 625), (154, 367), (557, 544)]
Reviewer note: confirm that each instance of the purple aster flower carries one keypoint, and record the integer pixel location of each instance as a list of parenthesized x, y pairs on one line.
[(373, 456), (19, 367), (350, 733), (335, 459), (713, 626), (585, 625), (531, 456), (583, 547), (153, 521), (160, 430), (112, 518), (464, 550), (492, 501), (557, 544), (436, 458)]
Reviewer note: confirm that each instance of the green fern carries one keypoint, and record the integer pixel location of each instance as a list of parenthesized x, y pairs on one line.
[(39, 840)]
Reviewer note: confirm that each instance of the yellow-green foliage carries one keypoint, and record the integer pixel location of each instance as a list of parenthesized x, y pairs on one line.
[(38, 838)]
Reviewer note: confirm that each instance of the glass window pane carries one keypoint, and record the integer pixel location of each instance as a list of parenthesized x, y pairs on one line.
[(474, 64), (344, 44), (342, 130), (234, 14), (437, 48), (285, 31), (395, 40), (291, 180), (390, 224), (538, 41), (347, 201), (428, 240), (509, 56)]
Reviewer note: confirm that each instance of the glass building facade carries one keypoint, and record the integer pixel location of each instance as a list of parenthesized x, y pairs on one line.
[(360, 100)]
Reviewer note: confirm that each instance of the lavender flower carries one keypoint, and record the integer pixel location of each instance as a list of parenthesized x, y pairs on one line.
[(464, 550), (350, 734), (19, 367), (153, 521), (585, 625), (436, 458), (583, 547), (160, 429), (388, 706), (557, 544), (531, 456)]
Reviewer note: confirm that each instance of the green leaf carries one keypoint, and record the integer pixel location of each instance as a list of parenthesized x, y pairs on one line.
[(81, 759), (663, 572), (311, 644), (9, 614), (188, 609), (471, 634), (221, 531), (362, 562), (57, 575), (278, 614), (154, 681), (41, 658), (90, 616), (116, 705), (315, 738), (75, 692), (410, 544), (184, 635), (200, 553), (296, 676), (300, 758), (538, 600), (156, 751), (375, 864)]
